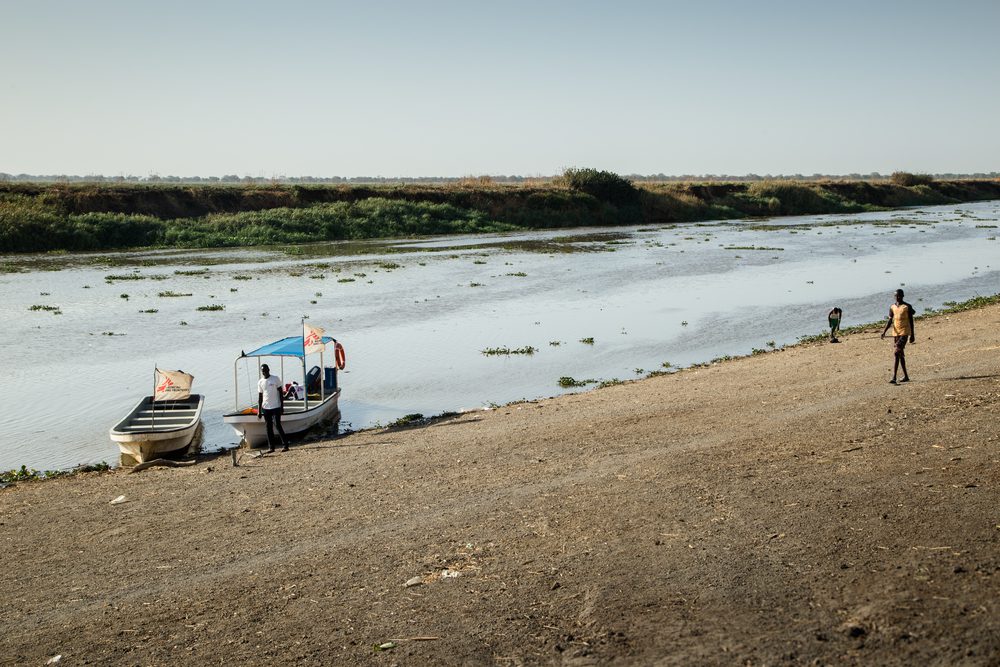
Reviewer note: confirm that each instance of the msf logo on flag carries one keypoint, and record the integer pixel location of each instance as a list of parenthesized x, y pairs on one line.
[(172, 385), (312, 339)]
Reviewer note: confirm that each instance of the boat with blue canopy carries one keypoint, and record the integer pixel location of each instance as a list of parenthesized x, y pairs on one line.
[(310, 392)]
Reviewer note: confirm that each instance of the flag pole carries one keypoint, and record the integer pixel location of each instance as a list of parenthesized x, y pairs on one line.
[(305, 378), (152, 416)]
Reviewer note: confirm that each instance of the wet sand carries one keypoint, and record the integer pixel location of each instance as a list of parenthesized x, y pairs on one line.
[(787, 508)]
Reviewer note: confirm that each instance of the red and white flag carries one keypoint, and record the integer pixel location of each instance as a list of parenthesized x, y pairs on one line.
[(172, 385), (312, 338)]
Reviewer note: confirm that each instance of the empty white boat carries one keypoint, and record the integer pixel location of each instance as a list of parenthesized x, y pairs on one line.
[(154, 428)]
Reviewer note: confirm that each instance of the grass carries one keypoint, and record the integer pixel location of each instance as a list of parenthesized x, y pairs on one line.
[(213, 307), (406, 420), (25, 474), (587, 341), (171, 293)]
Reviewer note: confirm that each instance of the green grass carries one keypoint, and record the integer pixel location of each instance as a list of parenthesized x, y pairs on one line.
[(25, 474), (406, 420)]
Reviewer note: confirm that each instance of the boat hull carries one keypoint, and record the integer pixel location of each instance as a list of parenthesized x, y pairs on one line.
[(144, 434), (253, 430)]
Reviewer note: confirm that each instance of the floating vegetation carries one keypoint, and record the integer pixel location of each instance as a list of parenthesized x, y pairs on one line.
[(111, 333), (609, 383), (44, 294), (684, 323), (123, 296), (389, 266), (517, 274), (149, 310), (124, 276), (183, 323), (476, 285), (50, 309), (567, 382), (360, 275), (213, 307), (11, 268), (318, 276), (770, 344), (478, 261), (191, 272), (638, 371), (587, 341), (233, 289), (345, 280), (756, 350), (555, 343), (171, 293), (751, 247), (312, 301), (498, 351), (666, 364), (986, 226), (242, 277), (319, 294)]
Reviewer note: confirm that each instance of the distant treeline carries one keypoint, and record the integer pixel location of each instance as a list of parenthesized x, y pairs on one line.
[(233, 179), (36, 217)]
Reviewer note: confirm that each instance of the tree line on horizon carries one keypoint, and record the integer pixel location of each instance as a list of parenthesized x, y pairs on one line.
[(234, 179)]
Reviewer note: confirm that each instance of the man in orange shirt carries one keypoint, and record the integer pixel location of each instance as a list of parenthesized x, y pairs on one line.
[(901, 321)]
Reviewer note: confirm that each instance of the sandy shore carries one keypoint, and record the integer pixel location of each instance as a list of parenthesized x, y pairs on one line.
[(790, 508)]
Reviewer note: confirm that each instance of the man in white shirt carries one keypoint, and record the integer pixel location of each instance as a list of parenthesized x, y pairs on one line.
[(270, 405)]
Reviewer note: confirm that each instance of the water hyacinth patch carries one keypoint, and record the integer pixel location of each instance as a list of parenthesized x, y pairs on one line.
[(497, 351), (567, 382)]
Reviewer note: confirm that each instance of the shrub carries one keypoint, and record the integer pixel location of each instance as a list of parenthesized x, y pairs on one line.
[(908, 180), (604, 185)]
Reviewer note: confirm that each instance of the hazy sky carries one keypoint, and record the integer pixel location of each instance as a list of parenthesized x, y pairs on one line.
[(330, 88)]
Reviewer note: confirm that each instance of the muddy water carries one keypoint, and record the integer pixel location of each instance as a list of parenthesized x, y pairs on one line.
[(416, 316)]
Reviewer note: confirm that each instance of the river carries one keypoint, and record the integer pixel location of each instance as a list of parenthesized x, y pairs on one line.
[(416, 315)]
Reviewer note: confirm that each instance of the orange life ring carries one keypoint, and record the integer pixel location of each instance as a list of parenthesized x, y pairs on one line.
[(340, 357)]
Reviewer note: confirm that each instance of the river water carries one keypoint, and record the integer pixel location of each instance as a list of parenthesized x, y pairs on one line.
[(416, 315)]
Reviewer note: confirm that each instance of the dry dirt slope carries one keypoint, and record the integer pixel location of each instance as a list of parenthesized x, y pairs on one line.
[(791, 508)]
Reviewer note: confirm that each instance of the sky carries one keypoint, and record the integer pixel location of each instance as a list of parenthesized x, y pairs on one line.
[(464, 88)]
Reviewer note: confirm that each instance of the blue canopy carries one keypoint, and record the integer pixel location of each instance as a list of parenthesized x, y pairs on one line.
[(286, 347)]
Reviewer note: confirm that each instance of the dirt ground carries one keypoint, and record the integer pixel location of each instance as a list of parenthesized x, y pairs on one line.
[(788, 508)]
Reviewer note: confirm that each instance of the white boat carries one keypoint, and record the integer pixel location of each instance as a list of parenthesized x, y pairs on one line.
[(154, 428), (322, 391)]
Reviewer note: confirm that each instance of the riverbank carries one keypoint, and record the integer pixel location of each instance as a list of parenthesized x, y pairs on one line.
[(785, 507), (41, 217)]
